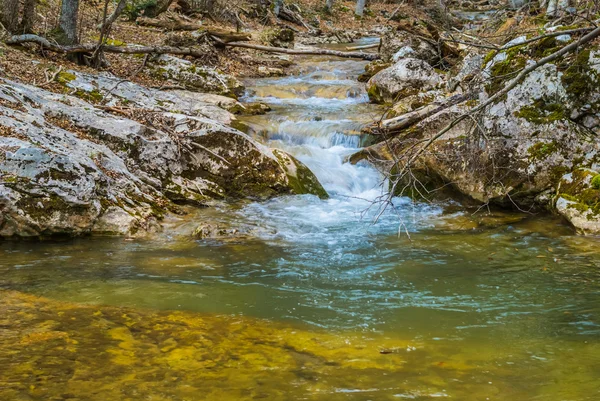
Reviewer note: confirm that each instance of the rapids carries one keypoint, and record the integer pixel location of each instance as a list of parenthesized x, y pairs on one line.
[(320, 302)]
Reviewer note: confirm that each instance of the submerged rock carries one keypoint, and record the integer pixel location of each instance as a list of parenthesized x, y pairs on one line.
[(67, 167)]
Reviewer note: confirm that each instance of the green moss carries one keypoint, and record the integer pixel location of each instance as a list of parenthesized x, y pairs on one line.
[(374, 94), (65, 77), (543, 112), (488, 57), (93, 96), (596, 182), (579, 80), (583, 191), (502, 71), (542, 149), (300, 178)]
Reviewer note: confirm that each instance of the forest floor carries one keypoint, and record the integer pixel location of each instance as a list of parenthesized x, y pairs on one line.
[(31, 65)]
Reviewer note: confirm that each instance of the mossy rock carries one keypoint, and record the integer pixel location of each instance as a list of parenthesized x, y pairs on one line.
[(301, 179)]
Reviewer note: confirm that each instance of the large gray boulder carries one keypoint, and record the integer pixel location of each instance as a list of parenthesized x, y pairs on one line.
[(195, 77), (515, 153), (69, 168), (406, 77), (397, 44)]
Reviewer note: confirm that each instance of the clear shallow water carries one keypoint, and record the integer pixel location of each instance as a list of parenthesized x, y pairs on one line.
[(317, 303)]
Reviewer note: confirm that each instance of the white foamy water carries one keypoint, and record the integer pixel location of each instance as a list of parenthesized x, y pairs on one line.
[(323, 131)]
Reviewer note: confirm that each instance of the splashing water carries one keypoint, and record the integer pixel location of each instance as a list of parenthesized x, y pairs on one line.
[(317, 303)]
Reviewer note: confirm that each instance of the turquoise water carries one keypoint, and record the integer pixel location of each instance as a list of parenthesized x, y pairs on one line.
[(315, 301)]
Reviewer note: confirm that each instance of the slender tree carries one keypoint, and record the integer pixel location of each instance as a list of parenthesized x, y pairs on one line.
[(28, 16), (360, 7), (10, 15), (277, 7), (329, 5), (69, 14)]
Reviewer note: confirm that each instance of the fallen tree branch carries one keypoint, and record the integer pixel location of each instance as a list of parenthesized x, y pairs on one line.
[(314, 52), (91, 47), (397, 124), (113, 17), (178, 24), (371, 46)]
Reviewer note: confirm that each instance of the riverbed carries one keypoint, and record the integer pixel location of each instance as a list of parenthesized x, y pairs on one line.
[(317, 300)]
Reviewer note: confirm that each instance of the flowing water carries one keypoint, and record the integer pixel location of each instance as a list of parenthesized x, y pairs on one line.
[(317, 302)]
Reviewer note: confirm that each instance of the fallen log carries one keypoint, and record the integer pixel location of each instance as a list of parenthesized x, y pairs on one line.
[(181, 25), (310, 52), (394, 125), (91, 47), (371, 46)]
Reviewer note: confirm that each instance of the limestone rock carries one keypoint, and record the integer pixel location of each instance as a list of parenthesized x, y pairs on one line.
[(109, 90), (69, 168), (406, 77), (396, 45), (578, 200), (195, 77)]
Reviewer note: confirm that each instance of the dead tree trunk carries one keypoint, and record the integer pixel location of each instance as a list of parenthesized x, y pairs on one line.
[(28, 18), (277, 6), (329, 5), (395, 125), (160, 7), (69, 14), (113, 17), (360, 7), (186, 51), (325, 52), (10, 14)]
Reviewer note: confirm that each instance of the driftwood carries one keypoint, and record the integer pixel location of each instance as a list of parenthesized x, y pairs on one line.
[(314, 52), (394, 125), (371, 46), (177, 24)]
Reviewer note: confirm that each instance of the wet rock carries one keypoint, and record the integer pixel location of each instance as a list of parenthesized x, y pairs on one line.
[(69, 168), (278, 37), (578, 200), (270, 71), (252, 109), (516, 152), (214, 231), (194, 77), (406, 77), (373, 68)]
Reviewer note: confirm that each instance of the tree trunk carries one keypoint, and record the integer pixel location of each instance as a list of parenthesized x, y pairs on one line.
[(360, 7), (160, 7), (113, 17), (28, 16), (329, 5), (69, 14), (10, 14), (277, 7)]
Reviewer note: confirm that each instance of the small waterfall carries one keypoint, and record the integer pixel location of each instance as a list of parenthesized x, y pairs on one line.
[(317, 116)]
